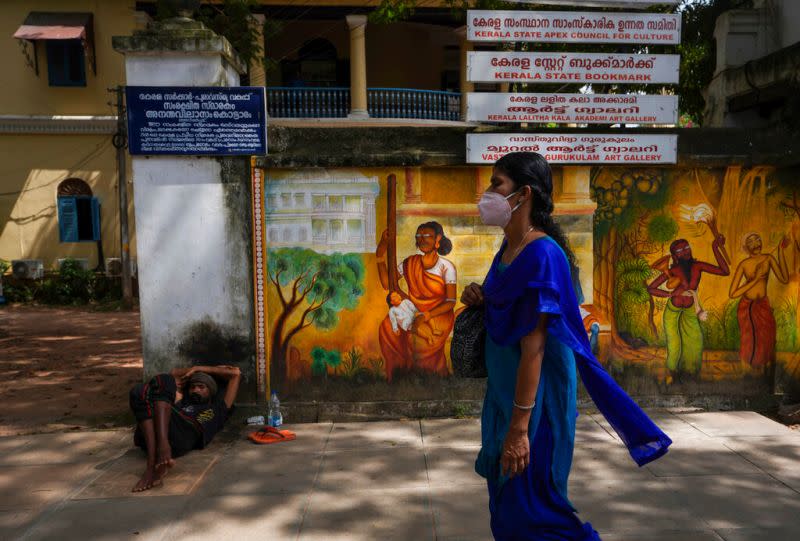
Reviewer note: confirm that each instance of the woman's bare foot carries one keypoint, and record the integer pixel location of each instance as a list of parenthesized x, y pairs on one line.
[(150, 478)]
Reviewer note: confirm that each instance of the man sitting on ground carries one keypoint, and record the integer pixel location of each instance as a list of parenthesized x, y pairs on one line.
[(178, 412)]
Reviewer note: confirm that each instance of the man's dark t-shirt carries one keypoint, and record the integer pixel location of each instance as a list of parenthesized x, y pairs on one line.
[(208, 418)]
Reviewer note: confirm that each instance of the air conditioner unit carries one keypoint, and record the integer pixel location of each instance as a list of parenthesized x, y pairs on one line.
[(27, 269), (82, 262), (114, 266)]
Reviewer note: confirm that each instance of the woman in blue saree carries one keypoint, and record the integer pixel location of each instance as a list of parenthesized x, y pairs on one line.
[(535, 346)]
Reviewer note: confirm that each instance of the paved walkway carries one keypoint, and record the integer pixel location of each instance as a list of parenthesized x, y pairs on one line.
[(730, 476)]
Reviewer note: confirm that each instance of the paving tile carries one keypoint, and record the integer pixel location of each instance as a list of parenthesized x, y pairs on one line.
[(368, 515), (67, 448), (706, 456), (400, 467), (14, 522), (372, 435), (451, 432), (673, 425), (735, 423), (789, 533), (261, 469), (10, 443), (673, 535), (777, 455), (588, 429), (122, 474), (453, 466), (27, 487), (738, 501), (461, 512), (605, 460), (273, 517), (108, 520), (640, 506)]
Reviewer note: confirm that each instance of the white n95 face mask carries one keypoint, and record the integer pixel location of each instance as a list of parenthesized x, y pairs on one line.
[(495, 208)]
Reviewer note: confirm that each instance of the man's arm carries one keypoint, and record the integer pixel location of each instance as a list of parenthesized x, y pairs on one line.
[(231, 374), (655, 288), (721, 268)]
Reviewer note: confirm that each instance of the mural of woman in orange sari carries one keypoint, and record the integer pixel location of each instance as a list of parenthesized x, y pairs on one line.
[(431, 287)]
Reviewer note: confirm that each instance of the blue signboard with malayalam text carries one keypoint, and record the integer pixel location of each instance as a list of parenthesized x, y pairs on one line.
[(196, 120)]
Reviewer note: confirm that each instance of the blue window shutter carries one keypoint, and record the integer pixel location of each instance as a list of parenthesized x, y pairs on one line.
[(95, 219), (67, 219)]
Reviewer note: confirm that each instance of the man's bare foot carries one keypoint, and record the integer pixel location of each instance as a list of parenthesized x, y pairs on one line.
[(150, 478), (164, 457)]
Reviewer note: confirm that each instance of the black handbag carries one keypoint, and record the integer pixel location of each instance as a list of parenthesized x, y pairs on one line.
[(467, 345)]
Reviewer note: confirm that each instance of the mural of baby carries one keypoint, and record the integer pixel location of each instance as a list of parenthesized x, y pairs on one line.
[(402, 314)]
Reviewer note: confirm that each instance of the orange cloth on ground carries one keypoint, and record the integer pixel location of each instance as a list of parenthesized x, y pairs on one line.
[(407, 350)]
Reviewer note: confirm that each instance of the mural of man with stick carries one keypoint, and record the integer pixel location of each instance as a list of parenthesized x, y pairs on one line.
[(681, 322), (756, 321)]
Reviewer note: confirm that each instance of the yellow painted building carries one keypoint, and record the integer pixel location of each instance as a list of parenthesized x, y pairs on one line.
[(57, 122), (56, 125)]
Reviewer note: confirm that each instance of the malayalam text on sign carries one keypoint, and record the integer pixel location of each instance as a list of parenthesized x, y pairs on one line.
[(496, 67), (575, 148), (201, 121), (573, 27), (572, 108)]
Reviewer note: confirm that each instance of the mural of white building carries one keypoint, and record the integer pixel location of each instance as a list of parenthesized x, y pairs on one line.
[(325, 211)]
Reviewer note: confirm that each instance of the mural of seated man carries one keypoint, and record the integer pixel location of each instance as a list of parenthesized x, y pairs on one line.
[(431, 289), (402, 314), (178, 412)]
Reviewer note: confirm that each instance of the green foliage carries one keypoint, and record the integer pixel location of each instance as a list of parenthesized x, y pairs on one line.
[(330, 282), (788, 337), (376, 366), (632, 298), (721, 329), (662, 228), (231, 19), (389, 11), (621, 203), (352, 363), (72, 285), (698, 50), (4, 266), (322, 359)]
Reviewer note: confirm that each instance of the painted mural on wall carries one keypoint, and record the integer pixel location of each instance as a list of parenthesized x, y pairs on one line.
[(364, 273), (696, 272), (695, 281)]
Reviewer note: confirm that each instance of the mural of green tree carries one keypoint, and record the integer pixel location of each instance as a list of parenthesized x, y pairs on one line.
[(312, 288), (630, 224)]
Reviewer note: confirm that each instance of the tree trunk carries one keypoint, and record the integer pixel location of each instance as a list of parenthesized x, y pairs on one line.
[(278, 363), (619, 348)]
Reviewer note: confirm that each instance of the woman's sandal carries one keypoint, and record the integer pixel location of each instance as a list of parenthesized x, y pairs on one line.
[(270, 434)]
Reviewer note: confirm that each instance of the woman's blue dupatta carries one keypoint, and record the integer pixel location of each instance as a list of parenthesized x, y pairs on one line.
[(538, 282)]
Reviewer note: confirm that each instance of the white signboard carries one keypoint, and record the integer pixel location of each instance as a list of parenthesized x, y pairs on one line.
[(572, 108), (507, 67), (601, 3), (573, 27), (575, 148)]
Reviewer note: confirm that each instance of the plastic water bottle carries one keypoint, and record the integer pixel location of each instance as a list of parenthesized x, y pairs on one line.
[(275, 416)]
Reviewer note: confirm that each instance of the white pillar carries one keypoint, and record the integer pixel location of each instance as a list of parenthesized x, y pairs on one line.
[(193, 261)]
